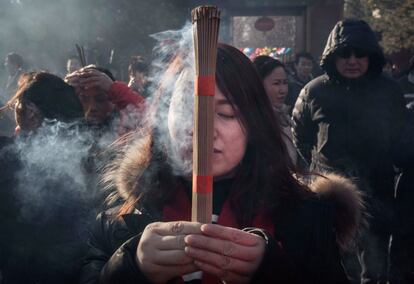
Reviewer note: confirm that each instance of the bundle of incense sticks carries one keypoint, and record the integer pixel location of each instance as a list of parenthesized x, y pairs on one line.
[(81, 54), (206, 21)]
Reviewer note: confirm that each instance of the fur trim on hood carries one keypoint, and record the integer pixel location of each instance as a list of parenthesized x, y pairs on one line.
[(121, 175), (348, 206)]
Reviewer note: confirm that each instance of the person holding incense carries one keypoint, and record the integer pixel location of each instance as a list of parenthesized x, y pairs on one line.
[(268, 227), (110, 110), (104, 99)]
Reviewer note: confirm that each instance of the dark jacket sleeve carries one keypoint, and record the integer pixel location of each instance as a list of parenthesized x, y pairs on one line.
[(304, 250), (275, 265), (324, 264), (404, 149), (304, 131), (401, 130), (399, 112), (106, 262)]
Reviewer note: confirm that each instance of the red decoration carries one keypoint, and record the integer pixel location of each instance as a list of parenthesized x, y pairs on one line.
[(264, 24), (205, 85), (202, 184)]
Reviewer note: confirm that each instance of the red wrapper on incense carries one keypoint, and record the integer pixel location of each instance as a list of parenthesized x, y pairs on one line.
[(206, 20)]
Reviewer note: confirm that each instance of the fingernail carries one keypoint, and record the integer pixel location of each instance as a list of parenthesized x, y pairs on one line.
[(198, 263), (186, 239)]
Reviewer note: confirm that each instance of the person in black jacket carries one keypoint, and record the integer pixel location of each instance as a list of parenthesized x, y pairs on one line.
[(347, 121), (269, 227)]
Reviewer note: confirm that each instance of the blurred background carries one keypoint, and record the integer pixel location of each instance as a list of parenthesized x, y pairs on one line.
[(45, 32)]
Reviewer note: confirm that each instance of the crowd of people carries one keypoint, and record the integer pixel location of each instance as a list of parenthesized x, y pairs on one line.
[(312, 170)]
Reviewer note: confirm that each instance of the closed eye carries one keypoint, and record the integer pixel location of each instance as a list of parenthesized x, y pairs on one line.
[(226, 116)]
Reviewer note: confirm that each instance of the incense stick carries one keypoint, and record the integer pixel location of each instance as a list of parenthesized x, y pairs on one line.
[(206, 20), (81, 54)]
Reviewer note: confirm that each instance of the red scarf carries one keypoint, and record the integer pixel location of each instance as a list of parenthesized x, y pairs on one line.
[(180, 209)]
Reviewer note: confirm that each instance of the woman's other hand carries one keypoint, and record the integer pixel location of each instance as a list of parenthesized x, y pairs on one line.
[(160, 253), (230, 254)]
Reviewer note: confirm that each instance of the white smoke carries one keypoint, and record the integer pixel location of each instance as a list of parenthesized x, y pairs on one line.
[(174, 116), (53, 179), (43, 32)]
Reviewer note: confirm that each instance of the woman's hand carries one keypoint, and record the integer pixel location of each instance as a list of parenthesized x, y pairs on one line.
[(88, 77), (160, 253), (230, 254)]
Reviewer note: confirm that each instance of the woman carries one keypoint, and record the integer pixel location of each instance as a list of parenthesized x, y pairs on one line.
[(40, 96), (275, 82), (149, 239), (273, 73)]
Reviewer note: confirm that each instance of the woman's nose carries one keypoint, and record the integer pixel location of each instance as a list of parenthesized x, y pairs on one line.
[(215, 130), (283, 89)]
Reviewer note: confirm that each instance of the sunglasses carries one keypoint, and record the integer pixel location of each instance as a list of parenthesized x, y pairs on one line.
[(347, 52)]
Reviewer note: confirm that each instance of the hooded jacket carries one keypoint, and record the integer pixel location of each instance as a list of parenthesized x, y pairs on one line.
[(303, 248), (350, 126)]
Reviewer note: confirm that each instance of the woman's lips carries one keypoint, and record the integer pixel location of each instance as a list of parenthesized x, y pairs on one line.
[(216, 151)]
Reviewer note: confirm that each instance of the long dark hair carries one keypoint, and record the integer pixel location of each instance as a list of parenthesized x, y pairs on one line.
[(266, 64), (265, 177), (266, 173), (54, 98)]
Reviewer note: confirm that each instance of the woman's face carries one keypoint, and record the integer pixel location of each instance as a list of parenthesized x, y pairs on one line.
[(276, 86), (97, 107), (28, 117), (230, 139)]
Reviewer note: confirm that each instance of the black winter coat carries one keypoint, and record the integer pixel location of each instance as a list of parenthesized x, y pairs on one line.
[(350, 126)]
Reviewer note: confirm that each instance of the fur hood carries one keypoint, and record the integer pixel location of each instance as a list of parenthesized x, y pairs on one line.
[(348, 206), (120, 176)]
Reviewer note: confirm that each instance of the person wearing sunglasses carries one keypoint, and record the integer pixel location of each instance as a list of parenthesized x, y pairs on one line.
[(347, 121)]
